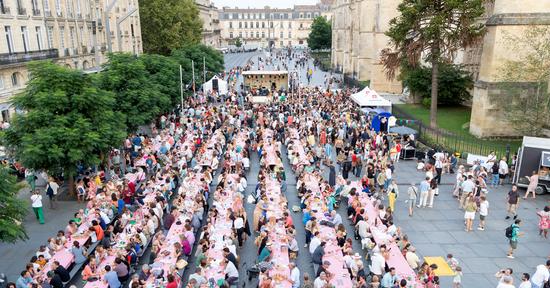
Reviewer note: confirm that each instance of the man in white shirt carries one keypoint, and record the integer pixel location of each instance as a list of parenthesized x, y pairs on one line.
[(412, 258), (36, 200), (294, 275), (231, 272), (315, 242), (378, 264), (525, 282), (321, 281), (541, 275)]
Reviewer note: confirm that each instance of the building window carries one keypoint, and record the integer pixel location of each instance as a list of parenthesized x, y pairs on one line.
[(58, 7), (62, 37), (301, 15), (281, 34), (316, 14), (231, 35), (240, 34), (246, 35), (78, 8), (81, 29), (251, 24), (263, 24), (282, 44), (257, 24), (230, 24), (38, 37), (308, 15), (25, 38), (270, 24), (71, 36), (257, 34), (301, 25), (46, 5), (16, 79), (9, 39), (263, 34), (240, 24), (289, 34), (289, 24), (50, 37), (1, 82)]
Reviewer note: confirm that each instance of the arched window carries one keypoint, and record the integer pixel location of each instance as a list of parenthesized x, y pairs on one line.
[(16, 79), (85, 65)]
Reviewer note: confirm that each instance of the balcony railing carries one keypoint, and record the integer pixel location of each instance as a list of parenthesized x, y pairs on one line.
[(36, 12), (21, 11), (5, 10), (18, 57)]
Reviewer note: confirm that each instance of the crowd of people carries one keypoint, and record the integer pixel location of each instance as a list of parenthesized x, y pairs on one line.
[(181, 192)]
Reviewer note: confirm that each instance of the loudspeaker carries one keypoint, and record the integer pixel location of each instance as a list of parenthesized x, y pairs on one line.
[(215, 84)]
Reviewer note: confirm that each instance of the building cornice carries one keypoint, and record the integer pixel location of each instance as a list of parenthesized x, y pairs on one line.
[(519, 19)]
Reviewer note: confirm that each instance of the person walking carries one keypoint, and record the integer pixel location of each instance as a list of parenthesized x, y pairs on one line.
[(393, 193), (51, 190), (502, 170), (36, 203), (424, 191), (533, 183), (513, 239), (513, 202), (544, 221), (413, 194)]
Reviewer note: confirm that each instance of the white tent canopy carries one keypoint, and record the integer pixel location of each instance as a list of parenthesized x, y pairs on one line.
[(369, 98), (209, 86)]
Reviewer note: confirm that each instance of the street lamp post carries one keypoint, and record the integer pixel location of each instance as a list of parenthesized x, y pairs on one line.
[(118, 36)]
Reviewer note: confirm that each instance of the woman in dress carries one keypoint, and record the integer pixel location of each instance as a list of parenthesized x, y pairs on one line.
[(544, 221), (533, 183)]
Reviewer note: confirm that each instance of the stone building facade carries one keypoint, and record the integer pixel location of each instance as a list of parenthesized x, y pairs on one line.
[(211, 32), (506, 18), (358, 37), (71, 33), (269, 27)]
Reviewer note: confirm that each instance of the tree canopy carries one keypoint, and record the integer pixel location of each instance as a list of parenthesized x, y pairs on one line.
[(526, 103), (167, 25), (12, 209), (320, 36), (138, 98), (435, 29), (68, 121), (454, 85)]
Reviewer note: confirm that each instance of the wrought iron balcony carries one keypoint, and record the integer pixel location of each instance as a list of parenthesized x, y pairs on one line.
[(36, 12), (18, 57), (4, 10), (21, 11)]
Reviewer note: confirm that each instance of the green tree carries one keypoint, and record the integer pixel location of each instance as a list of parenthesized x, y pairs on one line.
[(12, 209), (435, 29), (199, 53), (320, 36), (68, 121), (167, 25), (138, 98), (163, 74), (526, 99), (238, 42), (454, 85)]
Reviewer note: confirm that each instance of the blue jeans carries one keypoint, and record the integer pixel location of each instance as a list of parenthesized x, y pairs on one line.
[(494, 180)]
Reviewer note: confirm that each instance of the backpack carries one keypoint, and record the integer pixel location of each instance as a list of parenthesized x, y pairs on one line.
[(49, 191), (509, 231)]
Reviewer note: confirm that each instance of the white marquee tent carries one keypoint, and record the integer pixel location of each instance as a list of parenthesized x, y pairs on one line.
[(211, 84), (368, 99)]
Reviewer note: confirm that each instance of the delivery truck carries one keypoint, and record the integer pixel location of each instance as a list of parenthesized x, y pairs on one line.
[(533, 156)]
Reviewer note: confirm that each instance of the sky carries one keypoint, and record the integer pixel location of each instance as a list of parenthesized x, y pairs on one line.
[(261, 3)]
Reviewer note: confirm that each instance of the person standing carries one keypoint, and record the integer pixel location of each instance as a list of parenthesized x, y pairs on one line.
[(30, 178), (514, 238), (513, 202), (294, 275), (413, 194), (533, 183), (502, 170), (541, 276), (544, 221), (483, 212), (470, 212), (36, 203), (424, 191), (439, 168)]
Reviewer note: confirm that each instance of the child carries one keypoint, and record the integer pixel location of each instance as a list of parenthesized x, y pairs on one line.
[(483, 211), (457, 280), (453, 262)]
